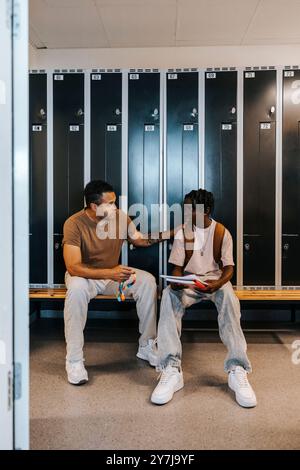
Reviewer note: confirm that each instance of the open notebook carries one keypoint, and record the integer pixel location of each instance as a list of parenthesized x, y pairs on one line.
[(189, 279)]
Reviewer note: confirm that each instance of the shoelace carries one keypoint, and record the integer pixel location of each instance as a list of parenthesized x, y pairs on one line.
[(164, 376), (241, 378)]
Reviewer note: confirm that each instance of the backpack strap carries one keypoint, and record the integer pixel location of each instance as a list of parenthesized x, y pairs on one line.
[(188, 246), (217, 244), (218, 241)]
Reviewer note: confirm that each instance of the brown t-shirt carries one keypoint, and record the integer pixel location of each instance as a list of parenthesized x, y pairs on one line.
[(80, 230)]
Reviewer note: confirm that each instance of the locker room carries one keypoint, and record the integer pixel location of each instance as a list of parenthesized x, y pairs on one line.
[(122, 113)]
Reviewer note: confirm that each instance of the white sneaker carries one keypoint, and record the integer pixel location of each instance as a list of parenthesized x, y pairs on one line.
[(244, 393), (171, 380), (77, 374), (149, 352)]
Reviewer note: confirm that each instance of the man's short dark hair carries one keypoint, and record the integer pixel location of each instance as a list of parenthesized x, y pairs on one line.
[(201, 196), (94, 190)]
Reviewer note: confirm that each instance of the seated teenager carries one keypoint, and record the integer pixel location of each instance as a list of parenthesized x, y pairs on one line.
[(92, 261), (208, 254)]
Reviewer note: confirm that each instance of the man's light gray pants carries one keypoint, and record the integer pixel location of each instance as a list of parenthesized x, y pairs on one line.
[(172, 309), (80, 291)]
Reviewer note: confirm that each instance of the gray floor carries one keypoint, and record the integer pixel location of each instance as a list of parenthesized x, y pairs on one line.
[(113, 410)]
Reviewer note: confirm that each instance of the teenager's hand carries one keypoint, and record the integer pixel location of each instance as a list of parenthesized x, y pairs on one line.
[(121, 273), (176, 286), (212, 286)]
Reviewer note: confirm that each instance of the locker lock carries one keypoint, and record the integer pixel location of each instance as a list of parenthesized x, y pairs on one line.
[(118, 112), (80, 112), (286, 246), (131, 247), (247, 246), (233, 110), (194, 112), (272, 111), (42, 113), (57, 245), (155, 113)]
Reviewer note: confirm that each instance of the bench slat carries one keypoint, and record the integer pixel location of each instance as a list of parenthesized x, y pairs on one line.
[(268, 295)]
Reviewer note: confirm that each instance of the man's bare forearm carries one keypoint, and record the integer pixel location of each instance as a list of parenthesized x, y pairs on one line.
[(227, 274), (82, 270)]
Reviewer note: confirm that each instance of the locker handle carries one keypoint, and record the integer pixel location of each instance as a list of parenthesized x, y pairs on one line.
[(57, 246), (194, 112), (247, 246), (131, 247), (118, 111), (79, 113), (42, 113), (286, 246)]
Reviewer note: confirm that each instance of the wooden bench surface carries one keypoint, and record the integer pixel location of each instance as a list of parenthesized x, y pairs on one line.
[(255, 294)]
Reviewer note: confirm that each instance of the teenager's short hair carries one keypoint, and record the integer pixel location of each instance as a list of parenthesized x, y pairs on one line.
[(201, 196), (94, 190)]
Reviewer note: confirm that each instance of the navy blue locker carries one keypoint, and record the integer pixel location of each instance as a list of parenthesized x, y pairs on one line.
[(68, 156), (144, 160), (38, 177)]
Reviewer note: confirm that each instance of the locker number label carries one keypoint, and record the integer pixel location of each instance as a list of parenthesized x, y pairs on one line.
[(172, 76), (188, 127), (250, 75), (226, 127), (289, 73), (149, 128), (265, 125), (58, 77), (111, 128), (211, 75), (134, 76), (74, 128), (36, 128), (96, 76)]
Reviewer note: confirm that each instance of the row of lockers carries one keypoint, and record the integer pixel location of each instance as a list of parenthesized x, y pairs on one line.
[(181, 125)]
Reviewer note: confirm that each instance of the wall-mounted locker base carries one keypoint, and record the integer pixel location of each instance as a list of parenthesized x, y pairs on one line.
[(259, 177), (68, 157), (291, 178), (38, 177)]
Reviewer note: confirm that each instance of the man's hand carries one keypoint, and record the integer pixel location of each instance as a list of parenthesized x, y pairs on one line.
[(121, 273)]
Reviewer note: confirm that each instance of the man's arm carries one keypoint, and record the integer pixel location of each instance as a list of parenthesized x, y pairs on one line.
[(75, 267), (140, 240)]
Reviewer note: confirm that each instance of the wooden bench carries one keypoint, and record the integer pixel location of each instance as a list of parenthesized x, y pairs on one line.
[(249, 298)]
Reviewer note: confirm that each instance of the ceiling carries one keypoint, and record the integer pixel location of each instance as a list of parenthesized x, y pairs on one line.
[(57, 24)]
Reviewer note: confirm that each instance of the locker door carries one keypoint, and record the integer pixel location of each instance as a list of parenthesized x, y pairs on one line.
[(221, 146), (38, 177), (68, 156), (259, 177), (291, 178), (143, 160), (182, 136), (106, 130)]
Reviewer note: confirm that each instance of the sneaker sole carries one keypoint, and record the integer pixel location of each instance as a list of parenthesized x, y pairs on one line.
[(163, 401), (240, 401), (144, 358), (82, 382)]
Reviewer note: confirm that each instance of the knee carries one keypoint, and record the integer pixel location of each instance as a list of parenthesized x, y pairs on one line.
[(77, 287), (147, 281)]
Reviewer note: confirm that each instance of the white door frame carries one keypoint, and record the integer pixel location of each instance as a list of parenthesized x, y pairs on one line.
[(6, 273), (21, 223)]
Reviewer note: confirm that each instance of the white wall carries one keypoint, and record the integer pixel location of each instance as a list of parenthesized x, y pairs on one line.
[(166, 57)]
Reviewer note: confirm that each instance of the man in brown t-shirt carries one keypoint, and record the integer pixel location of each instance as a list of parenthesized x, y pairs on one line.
[(92, 245)]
